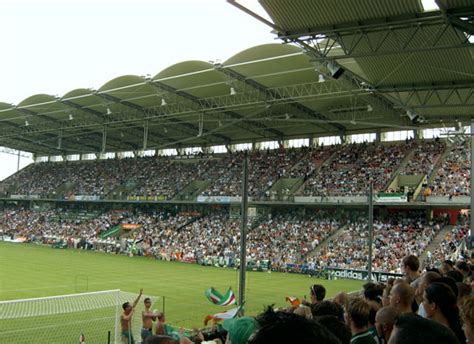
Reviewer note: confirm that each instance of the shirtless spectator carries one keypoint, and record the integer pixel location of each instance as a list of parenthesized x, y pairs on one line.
[(147, 320), (126, 320)]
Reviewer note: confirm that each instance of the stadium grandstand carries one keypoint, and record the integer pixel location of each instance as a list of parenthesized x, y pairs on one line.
[(353, 97)]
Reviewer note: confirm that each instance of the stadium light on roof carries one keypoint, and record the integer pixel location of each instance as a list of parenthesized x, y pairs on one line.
[(321, 78), (27, 123), (163, 102), (233, 92), (429, 5), (109, 112), (71, 117)]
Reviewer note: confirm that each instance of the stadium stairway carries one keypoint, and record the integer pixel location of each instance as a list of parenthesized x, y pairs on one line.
[(434, 244), (324, 243), (404, 162)]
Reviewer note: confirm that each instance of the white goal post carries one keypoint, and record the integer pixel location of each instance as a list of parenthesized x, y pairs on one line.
[(66, 318)]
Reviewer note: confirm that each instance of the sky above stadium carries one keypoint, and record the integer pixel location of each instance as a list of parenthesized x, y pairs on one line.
[(52, 47)]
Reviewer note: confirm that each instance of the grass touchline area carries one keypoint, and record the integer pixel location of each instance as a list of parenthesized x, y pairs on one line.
[(29, 270)]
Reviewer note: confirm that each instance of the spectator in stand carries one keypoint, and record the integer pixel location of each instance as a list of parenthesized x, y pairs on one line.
[(327, 308), (357, 318), (412, 329), (384, 322), (402, 296), (440, 304), (464, 291), (336, 327), (467, 315), (411, 267), (282, 328), (317, 294), (239, 330), (426, 279)]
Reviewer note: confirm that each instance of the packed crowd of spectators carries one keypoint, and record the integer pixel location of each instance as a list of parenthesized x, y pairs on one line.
[(454, 175), (342, 170), (354, 166), (395, 237), (426, 154)]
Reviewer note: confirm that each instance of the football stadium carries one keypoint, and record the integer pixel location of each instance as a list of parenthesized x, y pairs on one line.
[(316, 189)]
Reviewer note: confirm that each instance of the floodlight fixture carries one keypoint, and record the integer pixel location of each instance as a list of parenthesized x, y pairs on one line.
[(71, 117), (321, 78), (336, 71), (233, 92), (109, 112), (27, 123), (163, 102), (369, 108)]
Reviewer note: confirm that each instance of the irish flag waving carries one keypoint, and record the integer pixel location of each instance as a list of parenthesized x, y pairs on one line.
[(216, 298)]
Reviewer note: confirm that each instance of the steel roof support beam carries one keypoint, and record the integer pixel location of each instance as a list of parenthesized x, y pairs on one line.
[(192, 129), (391, 41), (208, 105), (434, 98), (100, 116), (263, 89), (55, 122)]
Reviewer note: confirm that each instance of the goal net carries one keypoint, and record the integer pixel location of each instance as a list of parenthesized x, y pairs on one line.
[(62, 319)]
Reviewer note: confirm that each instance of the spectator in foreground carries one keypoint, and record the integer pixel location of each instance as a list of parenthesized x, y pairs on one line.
[(413, 329), (239, 330), (283, 328), (384, 321), (336, 327), (357, 318), (467, 315), (440, 305), (401, 297), (317, 293), (126, 320), (410, 268)]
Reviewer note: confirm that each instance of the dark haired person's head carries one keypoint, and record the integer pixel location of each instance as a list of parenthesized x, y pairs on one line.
[(336, 327), (373, 293), (464, 268), (280, 327), (450, 283), (464, 291), (455, 275), (413, 329), (440, 305), (160, 340), (126, 305), (446, 266), (411, 264), (328, 308), (318, 293)]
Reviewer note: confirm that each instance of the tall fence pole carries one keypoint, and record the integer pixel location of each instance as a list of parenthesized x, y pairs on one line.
[(371, 227), (243, 233)]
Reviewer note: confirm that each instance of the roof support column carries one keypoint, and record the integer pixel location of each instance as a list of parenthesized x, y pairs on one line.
[(145, 134), (104, 139)]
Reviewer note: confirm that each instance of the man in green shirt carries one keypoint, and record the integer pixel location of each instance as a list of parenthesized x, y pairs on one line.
[(357, 318)]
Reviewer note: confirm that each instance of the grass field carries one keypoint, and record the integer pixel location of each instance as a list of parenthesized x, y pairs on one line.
[(28, 271)]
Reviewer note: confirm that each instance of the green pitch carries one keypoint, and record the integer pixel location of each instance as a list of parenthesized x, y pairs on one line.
[(28, 271)]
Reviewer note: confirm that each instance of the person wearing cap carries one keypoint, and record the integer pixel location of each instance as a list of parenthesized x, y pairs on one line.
[(239, 330)]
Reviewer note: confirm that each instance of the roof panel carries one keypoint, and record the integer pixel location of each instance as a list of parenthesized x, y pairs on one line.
[(294, 15)]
